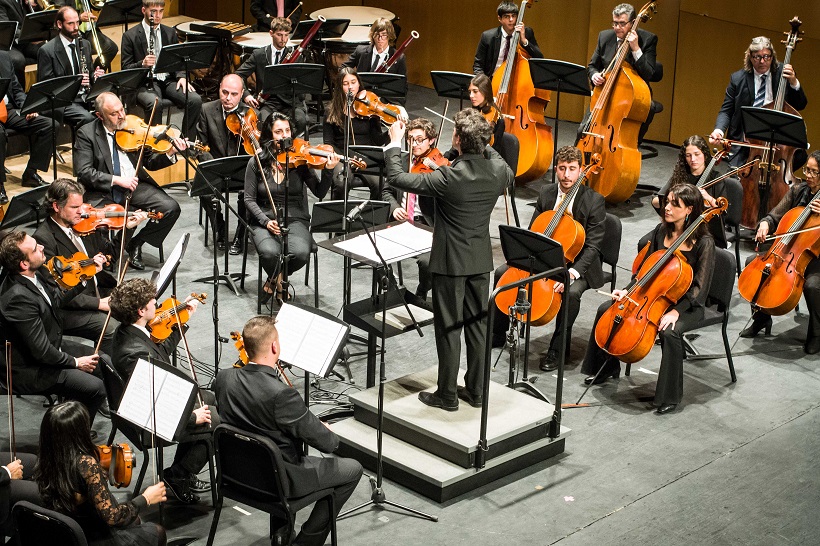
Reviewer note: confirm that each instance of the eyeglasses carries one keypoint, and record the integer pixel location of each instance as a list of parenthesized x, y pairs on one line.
[(417, 140), (621, 24), (382, 35), (810, 173), (762, 57)]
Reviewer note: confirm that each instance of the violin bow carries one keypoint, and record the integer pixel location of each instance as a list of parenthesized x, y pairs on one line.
[(10, 399), (190, 358), (773, 237)]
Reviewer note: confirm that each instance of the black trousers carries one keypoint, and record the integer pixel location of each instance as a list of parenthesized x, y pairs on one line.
[(88, 324), (17, 490), (38, 131), (811, 291), (270, 249), (168, 90), (76, 384), (22, 54), (355, 180), (459, 303), (192, 451), (77, 114), (150, 197)]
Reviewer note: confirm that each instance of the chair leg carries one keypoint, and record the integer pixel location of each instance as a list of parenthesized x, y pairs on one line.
[(212, 472), (728, 347), (259, 289), (111, 436), (628, 369), (138, 486), (514, 207), (737, 249), (215, 522), (316, 279), (332, 503)]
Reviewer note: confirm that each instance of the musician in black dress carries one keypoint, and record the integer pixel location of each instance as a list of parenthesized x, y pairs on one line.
[(263, 218), (684, 204)]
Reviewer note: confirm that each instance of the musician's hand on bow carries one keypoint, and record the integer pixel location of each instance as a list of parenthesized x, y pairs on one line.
[(332, 160), (149, 61), (668, 320), (708, 198), (155, 494), (598, 79), (128, 183), (632, 40), (788, 73), (618, 295), (250, 100), (99, 261), (136, 218), (203, 415), (103, 305), (15, 468), (762, 232), (400, 214), (397, 132), (716, 137), (87, 363), (273, 227), (31, 116)]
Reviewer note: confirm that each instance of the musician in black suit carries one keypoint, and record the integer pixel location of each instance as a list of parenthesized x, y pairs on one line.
[(21, 53), (254, 399), (107, 173), (367, 58), (43, 362), (274, 54), (134, 305), (35, 126), (756, 84), (16, 485), (642, 52), (136, 53), (65, 55), (212, 131), (266, 10), (87, 18), (588, 209), (494, 45), (461, 258)]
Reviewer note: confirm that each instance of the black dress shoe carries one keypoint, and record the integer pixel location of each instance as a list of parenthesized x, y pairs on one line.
[(759, 322), (812, 346), (180, 490), (666, 408), (135, 257), (198, 486), (473, 400), (431, 399), (549, 361), (236, 247), (3, 197), (603, 376), (32, 180)]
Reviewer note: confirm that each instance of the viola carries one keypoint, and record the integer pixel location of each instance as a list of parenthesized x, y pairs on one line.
[(315, 157), (118, 461), (523, 108), (368, 104), (247, 127), (110, 216), (133, 137), (239, 343), (71, 271), (170, 313), (627, 330), (618, 108), (560, 226), (773, 282), (429, 162)]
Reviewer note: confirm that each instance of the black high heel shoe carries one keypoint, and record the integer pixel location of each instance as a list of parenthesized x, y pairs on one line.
[(757, 325), (603, 376)]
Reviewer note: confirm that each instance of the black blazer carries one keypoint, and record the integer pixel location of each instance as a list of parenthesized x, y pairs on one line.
[(35, 330), (12, 10), (608, 45), (394, 196), (362, 60), (254, 399), (741, 92), (489, 48), (212, 131), (93, 165), (130, 344), (56, 243), (53, 62), (466, 193), (15, 93), (260, 9), (589, 209), (134, 46), (256, 63)]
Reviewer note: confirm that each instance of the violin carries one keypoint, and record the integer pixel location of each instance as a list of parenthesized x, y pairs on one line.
[(246, 126), (429, 162), (315, 157), (239, 343), (558, 225), (110, 216), (118, 461), (368, 104), (627, 330), (773, 282), (71, 271), (133, 137), (166, 316)]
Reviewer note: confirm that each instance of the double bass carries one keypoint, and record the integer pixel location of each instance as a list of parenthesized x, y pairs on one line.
[(765, 184), (618, 108), (522, 108)]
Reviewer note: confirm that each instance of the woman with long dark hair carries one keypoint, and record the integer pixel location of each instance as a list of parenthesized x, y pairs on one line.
[(684, 204), (72, 482), (481, 98)]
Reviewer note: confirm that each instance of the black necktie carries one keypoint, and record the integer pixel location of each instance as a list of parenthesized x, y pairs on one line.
[(73, 47), (278, 53), (376, 62)]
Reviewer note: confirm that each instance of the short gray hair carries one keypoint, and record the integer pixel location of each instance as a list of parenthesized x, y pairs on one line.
[(624, 9)]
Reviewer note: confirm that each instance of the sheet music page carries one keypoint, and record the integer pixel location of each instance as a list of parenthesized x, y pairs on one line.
[(395, 243), (163, 278), (172, 400), (308, 341), (136, 404), (408, 235)]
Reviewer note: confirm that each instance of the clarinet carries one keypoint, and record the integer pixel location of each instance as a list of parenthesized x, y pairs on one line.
[(83, 70), (151, 45)]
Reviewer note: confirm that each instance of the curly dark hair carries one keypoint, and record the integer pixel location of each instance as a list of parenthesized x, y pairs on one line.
[(256, 333), (129, 297), (681, 173), (425, 125), (569, 154), (10, 253), (687, 195), (473, 131)]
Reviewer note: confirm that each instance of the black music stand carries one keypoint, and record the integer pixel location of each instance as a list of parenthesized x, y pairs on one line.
[(774, 127), (24, 208), (303, 27), (38, 26), (219, 177), (120, 12), (331, 28), (392, 87), (49, 95), (119, 83), (452, 85), (293, 79), (8, 30), (561, 77)]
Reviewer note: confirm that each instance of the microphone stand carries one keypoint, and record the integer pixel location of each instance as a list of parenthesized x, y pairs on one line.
[(346, 174)]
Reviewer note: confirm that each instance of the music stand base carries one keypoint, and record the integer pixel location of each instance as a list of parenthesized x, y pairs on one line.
[(229, 279), (378, 498)]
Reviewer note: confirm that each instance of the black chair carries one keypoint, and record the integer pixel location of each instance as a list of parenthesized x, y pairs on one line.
[(655, 107), (252, 472), (733, 191), (609, 253), (36, 526), (508, 149)]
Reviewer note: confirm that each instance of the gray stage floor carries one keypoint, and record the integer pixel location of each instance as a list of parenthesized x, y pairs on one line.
[(736, 465)]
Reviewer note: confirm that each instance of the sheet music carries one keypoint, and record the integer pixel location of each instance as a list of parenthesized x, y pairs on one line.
[(395, 243), (307, 340), (163, 278)]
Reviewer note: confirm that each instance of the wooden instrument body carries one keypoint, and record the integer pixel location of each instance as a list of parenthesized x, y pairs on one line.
[(527, 106), (429, 162), (71, 271), (122, 457), (628, 330), (774, 281), (247, 128), (111, 216), (369, 104), (615, 123), (168, 314)]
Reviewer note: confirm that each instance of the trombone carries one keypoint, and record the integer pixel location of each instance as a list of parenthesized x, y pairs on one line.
[(95, 38)]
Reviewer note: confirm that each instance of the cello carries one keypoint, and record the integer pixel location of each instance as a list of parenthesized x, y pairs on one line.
[(559, 225), (765, 184), (523, 108), (617, 110), (627, 330)]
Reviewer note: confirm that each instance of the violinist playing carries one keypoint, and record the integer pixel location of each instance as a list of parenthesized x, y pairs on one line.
[(588, 209), (108, 173), (800, 194), (134, 305), (262, 216), (684, 204), (84, 316), (494, 45)]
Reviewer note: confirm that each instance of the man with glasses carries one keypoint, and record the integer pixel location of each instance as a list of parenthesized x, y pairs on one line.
[(754, 85), (367, 58), (494, 45)]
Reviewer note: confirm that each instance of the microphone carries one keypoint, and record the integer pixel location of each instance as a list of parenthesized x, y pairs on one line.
[(357, 211)]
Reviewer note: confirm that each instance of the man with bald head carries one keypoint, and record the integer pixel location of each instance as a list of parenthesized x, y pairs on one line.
[(108, 173), (213, 132)]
